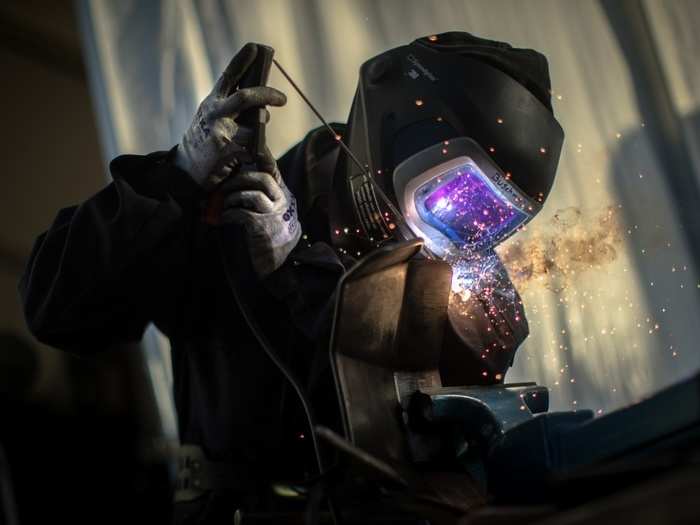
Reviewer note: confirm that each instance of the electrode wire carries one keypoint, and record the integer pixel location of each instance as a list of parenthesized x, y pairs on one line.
[(348, 151)]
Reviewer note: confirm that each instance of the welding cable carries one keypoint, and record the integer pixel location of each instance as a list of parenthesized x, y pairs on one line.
[(267, 347), (264, 342)]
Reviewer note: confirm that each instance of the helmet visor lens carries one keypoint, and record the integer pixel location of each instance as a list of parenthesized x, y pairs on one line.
[(468, 208)]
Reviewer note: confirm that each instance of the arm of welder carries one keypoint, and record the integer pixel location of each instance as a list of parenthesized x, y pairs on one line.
[(98, 274), (306, 284)]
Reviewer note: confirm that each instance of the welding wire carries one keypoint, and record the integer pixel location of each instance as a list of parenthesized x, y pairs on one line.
[(347, 150), (320, 117)]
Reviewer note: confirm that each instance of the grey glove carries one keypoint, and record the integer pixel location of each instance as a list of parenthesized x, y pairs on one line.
[(263, 205), (214, 138), (486, 312)]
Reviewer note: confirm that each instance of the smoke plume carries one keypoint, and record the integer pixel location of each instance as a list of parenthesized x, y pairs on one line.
[(572, 242)]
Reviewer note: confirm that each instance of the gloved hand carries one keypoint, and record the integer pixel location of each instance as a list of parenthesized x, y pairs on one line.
[(265, 207), (488, 320), (214, 138)]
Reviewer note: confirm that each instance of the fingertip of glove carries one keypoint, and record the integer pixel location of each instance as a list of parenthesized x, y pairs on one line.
[(283, 97), (272, 96)]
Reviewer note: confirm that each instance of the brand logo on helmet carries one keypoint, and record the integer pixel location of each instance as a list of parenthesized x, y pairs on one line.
[(503, 184), (414, 60)]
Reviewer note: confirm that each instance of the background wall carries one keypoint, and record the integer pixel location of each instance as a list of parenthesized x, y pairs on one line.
[(608, 269), (50, 150)]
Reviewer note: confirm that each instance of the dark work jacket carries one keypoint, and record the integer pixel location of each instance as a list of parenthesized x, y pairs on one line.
[(137, 252)]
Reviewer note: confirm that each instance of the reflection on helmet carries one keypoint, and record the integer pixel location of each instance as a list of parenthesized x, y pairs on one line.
[(464, 205)]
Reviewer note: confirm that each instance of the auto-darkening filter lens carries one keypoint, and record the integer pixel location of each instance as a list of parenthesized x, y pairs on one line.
[(468, 208)]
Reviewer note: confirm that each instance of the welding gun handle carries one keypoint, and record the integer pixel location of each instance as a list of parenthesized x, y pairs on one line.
[(256, 118), (259, 139)]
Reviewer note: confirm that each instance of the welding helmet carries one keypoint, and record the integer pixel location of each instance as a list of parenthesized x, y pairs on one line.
[(458, 138)]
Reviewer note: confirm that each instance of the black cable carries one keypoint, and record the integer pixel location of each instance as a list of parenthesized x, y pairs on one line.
[(266, 345), (268, 349), (289, 376)]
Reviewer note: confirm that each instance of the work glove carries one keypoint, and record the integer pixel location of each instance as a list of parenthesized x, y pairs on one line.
[(214, 139), (488, 317), (261, 203)]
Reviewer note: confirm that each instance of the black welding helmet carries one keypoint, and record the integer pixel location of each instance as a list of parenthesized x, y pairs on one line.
[(458, 134)]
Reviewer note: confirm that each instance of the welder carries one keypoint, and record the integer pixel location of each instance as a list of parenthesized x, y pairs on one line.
[(145, 248)]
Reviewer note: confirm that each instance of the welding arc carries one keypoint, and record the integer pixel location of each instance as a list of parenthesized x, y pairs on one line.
[(347, 150)]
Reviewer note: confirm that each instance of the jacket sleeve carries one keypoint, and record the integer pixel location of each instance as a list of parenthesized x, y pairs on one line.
[(306, 284), (99, 273)]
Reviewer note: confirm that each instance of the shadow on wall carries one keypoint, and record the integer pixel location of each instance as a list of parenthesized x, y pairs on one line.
[(642, 224), (647, 229), (654, 180), (660, 250)]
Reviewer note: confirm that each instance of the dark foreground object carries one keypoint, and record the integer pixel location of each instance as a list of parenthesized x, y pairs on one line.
[(472, 454), (406, 450)]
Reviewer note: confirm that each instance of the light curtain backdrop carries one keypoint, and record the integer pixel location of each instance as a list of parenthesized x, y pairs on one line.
[(613, 311)]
